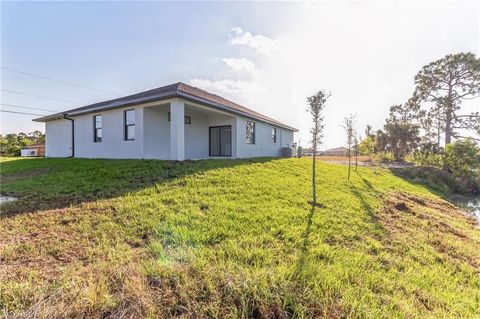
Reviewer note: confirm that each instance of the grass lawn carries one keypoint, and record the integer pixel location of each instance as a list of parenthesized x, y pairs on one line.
[(229, 239), (344, 159)]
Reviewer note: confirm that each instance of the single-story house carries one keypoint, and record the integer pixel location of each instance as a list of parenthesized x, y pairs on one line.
[(174, 122), (33, 150)]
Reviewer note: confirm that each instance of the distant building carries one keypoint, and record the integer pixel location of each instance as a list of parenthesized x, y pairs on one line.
[(338, 151), (307, 151), (33, 150)]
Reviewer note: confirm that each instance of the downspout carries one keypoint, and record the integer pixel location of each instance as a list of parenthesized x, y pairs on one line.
[(73, 134)]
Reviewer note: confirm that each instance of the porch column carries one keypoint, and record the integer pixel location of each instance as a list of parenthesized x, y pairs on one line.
[(177, 130)]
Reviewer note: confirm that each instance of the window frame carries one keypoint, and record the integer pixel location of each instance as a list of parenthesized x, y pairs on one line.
[(96, 138), (187, 120), (126, 125), (274, 135), (247, 137)]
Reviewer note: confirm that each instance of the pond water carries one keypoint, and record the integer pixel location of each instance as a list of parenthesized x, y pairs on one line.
[(471, 204), (5, 199)]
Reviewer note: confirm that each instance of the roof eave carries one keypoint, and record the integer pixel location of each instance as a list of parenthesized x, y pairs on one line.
[(52, 117), (221, 107), (158, 98)]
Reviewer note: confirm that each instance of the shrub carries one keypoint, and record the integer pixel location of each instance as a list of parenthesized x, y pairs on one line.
[(384, 157), (457, 168), (426, 158), (367, 146), (462, 157)]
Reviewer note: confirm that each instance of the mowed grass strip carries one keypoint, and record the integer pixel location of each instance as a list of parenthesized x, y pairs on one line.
[(229, 239)]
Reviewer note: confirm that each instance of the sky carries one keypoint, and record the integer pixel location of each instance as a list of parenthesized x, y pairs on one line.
[(268, 56)]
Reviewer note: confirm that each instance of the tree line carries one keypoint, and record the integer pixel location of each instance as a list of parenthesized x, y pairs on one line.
[(11, 144), (431, 128), (434, 113)]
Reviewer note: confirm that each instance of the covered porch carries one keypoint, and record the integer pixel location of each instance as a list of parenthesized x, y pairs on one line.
[(177, 130)]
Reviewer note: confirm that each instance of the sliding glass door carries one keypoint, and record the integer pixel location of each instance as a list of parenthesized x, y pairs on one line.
[(221, 140)]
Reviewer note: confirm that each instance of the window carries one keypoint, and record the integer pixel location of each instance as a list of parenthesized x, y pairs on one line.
[(97, 128), (250, 132), (188, 119), (274, 135), (129, 123)]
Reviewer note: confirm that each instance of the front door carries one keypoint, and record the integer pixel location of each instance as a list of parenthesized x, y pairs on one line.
[(220, 140)]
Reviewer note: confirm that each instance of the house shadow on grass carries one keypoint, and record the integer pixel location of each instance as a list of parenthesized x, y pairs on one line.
[(55, 183)]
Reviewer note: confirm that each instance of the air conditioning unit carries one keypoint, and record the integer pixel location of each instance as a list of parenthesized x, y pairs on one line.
[(28, 152)]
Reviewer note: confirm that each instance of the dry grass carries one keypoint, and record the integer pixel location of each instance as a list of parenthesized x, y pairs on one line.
[(235, 240), (405, 214), (361, 158)]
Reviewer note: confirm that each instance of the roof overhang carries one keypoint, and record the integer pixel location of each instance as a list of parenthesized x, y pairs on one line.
[(107, 107), (221, 107), (114, 104)]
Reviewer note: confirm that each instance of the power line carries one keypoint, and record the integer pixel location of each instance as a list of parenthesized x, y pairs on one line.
[(59, 81), (41, 96), (27, 107), (22, 113)]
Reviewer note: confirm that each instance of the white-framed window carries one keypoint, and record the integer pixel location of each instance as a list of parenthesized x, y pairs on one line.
[(129, 125), (97, 128), (274, 135), (250, 128)]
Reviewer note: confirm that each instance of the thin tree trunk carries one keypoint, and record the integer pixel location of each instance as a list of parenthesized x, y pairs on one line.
[(356, 157), (448, 127), (439, 129), (438, 138), (349, 161), (314, 191), (448, 118)]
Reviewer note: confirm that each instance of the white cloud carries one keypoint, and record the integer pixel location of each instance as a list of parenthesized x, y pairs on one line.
[(235, 84), (366, 54), (232, 87), (260, 43), (240, 64)]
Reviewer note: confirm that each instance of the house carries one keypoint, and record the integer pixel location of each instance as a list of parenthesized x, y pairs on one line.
[(338, 151), (33, 150), (173, 122)]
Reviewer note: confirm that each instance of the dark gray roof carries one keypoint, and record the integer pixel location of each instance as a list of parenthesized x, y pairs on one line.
[(180, 90)]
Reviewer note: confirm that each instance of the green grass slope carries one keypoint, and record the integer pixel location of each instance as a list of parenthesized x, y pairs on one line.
[(229, 239)]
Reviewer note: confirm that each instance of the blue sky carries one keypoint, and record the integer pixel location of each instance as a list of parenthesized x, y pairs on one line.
[(267, 56)]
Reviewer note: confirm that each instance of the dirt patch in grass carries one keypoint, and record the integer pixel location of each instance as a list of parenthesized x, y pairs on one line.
[(63, 260), (445, 228), (31, 204), (48, 241), (361, 158), (25, 174), (44, 244), (416, 205)]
